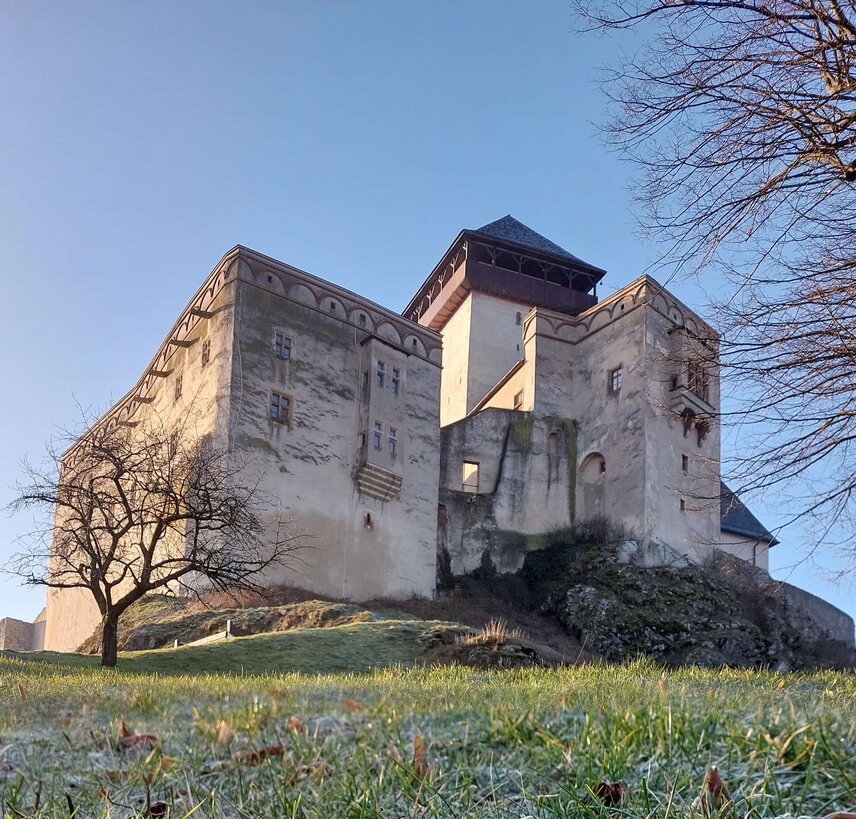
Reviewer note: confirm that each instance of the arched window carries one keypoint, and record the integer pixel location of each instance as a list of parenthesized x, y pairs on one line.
[(593, 468)]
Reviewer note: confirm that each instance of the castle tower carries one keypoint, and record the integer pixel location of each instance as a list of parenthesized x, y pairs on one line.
[(477, 296)]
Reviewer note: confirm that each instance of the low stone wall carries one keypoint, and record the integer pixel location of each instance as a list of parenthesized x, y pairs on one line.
[(17, 635), (824, 616)]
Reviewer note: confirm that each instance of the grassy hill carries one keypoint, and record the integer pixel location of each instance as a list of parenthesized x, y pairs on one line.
[(352, 647), (437, 742)]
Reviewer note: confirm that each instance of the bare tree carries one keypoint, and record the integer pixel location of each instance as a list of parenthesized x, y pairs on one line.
[(740, 119), (142, 508)]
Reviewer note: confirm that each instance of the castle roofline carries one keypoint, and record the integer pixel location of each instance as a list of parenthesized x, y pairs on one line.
[(511, 235), (736, 519), (196, 311)]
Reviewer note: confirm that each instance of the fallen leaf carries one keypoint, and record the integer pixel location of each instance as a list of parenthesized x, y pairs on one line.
[(130, 741), (611, 793), (251, 756), (22, 692), (353, 705), (296, 725), (781, 684), (316, 771), (715, 794), (224, 733), (661, 687)]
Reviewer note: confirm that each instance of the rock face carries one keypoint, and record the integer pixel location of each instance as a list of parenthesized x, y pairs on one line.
[(621, 599), (690, 616)]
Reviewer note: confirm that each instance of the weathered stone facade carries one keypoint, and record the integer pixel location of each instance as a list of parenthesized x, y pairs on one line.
[(18, 635), (550, 407)]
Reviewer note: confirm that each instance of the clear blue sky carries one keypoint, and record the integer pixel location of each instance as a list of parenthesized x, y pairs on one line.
[(140, 141)]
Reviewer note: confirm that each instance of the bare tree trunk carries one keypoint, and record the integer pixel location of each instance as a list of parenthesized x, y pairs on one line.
[(109, 640)]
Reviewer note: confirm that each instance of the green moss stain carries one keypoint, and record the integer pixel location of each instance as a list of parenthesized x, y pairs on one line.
[(521, 431), (568, 428), (571, 452)]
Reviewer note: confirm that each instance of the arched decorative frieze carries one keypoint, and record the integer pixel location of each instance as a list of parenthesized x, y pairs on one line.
[(301, 293), (271, 280), (363, 318), (435, 355), (568, 332), (389, 332), (332, 305), (413, 344)]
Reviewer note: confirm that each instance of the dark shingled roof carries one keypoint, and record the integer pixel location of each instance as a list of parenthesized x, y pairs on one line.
[(510, 230), (738, 520)]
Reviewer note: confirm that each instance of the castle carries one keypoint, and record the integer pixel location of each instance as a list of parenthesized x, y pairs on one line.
[(504, 402)]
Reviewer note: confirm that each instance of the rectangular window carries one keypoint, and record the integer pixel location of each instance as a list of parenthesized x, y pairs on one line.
[(615, 378), (362, 319), (380, 373), (177, 393), (377, 438), (683, 505), (281, 345), (470, 477), (518, 400), (280, 406), (206, 351), (396, 380), (697, 379), (685, 463), (393, 441)]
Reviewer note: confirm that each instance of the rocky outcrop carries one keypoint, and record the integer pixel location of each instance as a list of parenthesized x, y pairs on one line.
[(693, 615)]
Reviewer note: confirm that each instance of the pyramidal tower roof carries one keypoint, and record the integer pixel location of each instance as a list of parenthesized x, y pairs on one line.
[(509, 229)]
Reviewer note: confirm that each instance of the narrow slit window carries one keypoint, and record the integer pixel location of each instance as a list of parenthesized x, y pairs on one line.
[(396, 380), (206, 351), (685, 463), (178, 384), (616, 377), (470, 477), (518, 400), (518, 319), (377, 438), (393, 441), (380, 373)]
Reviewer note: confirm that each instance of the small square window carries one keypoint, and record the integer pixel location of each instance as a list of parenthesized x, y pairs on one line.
[(281, 345), (380, 373), (177, 392), (206, 351), (377, 438), (280, 406), (615, 379), (470, 477), (396, 380), (518, 400)]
